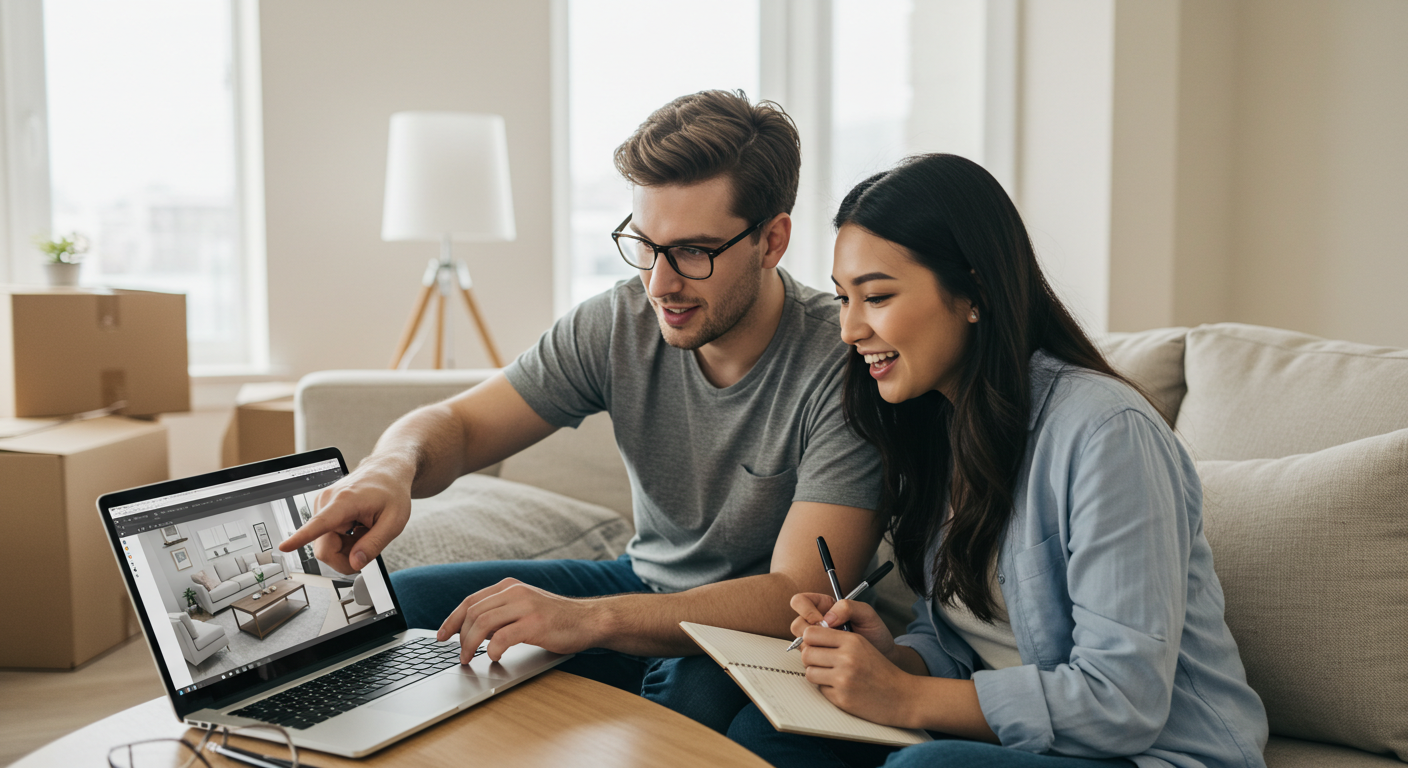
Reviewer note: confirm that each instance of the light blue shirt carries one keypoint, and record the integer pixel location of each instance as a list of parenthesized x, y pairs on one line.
[(1111, 592)]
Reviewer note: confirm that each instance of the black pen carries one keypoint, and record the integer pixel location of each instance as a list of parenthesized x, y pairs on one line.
[(869, 581), (831, 574), (254, 758)]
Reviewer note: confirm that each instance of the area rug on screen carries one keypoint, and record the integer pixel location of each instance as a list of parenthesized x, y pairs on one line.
[(246, 648)]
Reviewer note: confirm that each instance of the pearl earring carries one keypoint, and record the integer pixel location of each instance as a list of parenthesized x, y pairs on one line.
[(973, 315)]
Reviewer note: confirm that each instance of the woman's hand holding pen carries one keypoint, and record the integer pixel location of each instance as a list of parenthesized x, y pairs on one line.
[(858, 670), (812, 609)]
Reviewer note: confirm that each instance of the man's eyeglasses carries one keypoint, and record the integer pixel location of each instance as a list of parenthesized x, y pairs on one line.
[(691, 261)]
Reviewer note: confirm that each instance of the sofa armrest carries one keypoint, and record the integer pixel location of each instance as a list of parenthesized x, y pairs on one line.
[(350, 410), (203, 598)]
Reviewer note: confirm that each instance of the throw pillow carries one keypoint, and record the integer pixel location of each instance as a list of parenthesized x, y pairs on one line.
[(1264, 393), (265, 558), (1153, 360), (484, 518), (202, 578), (1312, 553), (227, 569)]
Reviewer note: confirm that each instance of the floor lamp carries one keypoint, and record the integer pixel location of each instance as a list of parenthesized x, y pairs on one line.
[(446, 180)]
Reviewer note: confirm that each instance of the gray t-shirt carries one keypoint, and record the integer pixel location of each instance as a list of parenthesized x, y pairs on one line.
[(713, 471)]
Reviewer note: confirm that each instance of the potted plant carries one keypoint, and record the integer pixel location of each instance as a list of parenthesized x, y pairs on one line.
[(63, 264), (190, 595), (259, 577)]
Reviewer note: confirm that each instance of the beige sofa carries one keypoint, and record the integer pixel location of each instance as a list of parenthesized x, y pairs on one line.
[(235, 577), (1302, 446)]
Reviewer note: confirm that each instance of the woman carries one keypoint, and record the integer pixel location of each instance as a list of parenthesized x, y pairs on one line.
[(1036, 498)]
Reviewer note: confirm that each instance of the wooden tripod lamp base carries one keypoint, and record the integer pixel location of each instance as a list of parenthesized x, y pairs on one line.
[(449, 277)]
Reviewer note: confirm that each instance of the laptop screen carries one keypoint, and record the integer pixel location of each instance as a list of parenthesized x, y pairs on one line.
[(218, 597)]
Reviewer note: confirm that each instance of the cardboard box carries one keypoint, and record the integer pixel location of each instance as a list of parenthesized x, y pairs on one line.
[(262, 425), (72, 350), (64, 596)]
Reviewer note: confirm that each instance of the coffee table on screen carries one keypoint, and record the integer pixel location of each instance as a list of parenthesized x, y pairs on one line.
[(271, 610)]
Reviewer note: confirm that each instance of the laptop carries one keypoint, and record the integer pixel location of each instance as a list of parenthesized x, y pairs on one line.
[(326, 655)]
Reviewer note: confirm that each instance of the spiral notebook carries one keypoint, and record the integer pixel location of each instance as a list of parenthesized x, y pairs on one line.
[(776, 681)]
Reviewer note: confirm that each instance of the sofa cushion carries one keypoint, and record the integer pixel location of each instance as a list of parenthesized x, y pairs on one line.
[(205, 580), (1258, 392), (1295, 753), (245, 580), (484, 518), (248, 561), (207, 633), (223, 590), (188, 623), (1312, 553), (227, 569), (1153, 360)]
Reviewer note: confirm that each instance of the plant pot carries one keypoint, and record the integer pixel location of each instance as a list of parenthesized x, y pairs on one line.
[(62, 273)]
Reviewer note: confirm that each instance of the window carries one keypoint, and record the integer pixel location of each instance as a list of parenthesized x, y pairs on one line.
[(867, 82), (626, 58), (871, 90), (147, 161)]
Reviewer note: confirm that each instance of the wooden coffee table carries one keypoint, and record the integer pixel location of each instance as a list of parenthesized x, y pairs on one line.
[(555, 720), (262, 622)]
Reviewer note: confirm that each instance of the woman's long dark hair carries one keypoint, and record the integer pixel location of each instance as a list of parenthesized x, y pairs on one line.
[(954, 218)]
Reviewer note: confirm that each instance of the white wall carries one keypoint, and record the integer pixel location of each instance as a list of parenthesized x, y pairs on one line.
[(1320, 232), (1197, 161), (333, 72)]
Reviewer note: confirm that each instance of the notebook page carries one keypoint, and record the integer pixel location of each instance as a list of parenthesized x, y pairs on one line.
[(729, 646), (796, 706), (775, 680)]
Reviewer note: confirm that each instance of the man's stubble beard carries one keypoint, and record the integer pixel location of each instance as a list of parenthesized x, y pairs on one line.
[(724, 314)]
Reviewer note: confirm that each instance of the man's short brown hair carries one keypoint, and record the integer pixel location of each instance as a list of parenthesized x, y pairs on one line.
[(717, 133)]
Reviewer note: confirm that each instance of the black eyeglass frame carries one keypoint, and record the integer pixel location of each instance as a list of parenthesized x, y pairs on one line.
[(617, 234)]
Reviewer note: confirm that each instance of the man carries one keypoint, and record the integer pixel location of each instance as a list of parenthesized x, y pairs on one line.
[(723, 378)]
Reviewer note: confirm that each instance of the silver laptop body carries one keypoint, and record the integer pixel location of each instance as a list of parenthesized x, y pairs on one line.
[(344, 688)]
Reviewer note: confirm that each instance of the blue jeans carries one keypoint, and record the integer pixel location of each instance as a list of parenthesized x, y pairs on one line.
[(786, 750), (693, 686)]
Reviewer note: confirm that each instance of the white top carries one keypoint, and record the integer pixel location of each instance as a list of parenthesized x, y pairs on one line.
[(994, 643)]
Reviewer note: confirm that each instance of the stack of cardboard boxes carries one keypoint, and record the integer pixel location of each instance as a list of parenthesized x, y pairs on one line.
[(67, 355)]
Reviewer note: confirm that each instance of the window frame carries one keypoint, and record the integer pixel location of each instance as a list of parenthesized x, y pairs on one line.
[(25, 183)]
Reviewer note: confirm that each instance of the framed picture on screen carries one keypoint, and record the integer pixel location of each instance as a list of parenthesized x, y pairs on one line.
[(261, 532), (182, 558)]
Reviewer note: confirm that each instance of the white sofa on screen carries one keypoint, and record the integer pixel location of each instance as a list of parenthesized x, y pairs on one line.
[(236, 577)]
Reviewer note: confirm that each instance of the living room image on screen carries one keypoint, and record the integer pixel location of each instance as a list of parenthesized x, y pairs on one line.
[(232, 599)]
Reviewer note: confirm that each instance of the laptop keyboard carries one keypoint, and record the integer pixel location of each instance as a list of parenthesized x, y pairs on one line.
[(356, 684)]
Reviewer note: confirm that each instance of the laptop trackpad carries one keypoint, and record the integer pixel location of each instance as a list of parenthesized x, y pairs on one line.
[(441, 693)]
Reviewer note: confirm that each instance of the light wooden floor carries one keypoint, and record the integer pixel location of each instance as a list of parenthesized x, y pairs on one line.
[(38, 707)]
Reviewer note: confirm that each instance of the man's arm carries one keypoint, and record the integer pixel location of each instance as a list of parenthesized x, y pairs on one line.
[(648, 624), (418, 456)]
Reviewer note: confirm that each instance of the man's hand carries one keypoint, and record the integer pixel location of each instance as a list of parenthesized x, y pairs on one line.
[(512, 612), (358, 516)]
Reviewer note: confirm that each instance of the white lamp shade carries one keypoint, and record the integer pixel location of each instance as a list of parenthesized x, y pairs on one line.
[(447, 174)]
